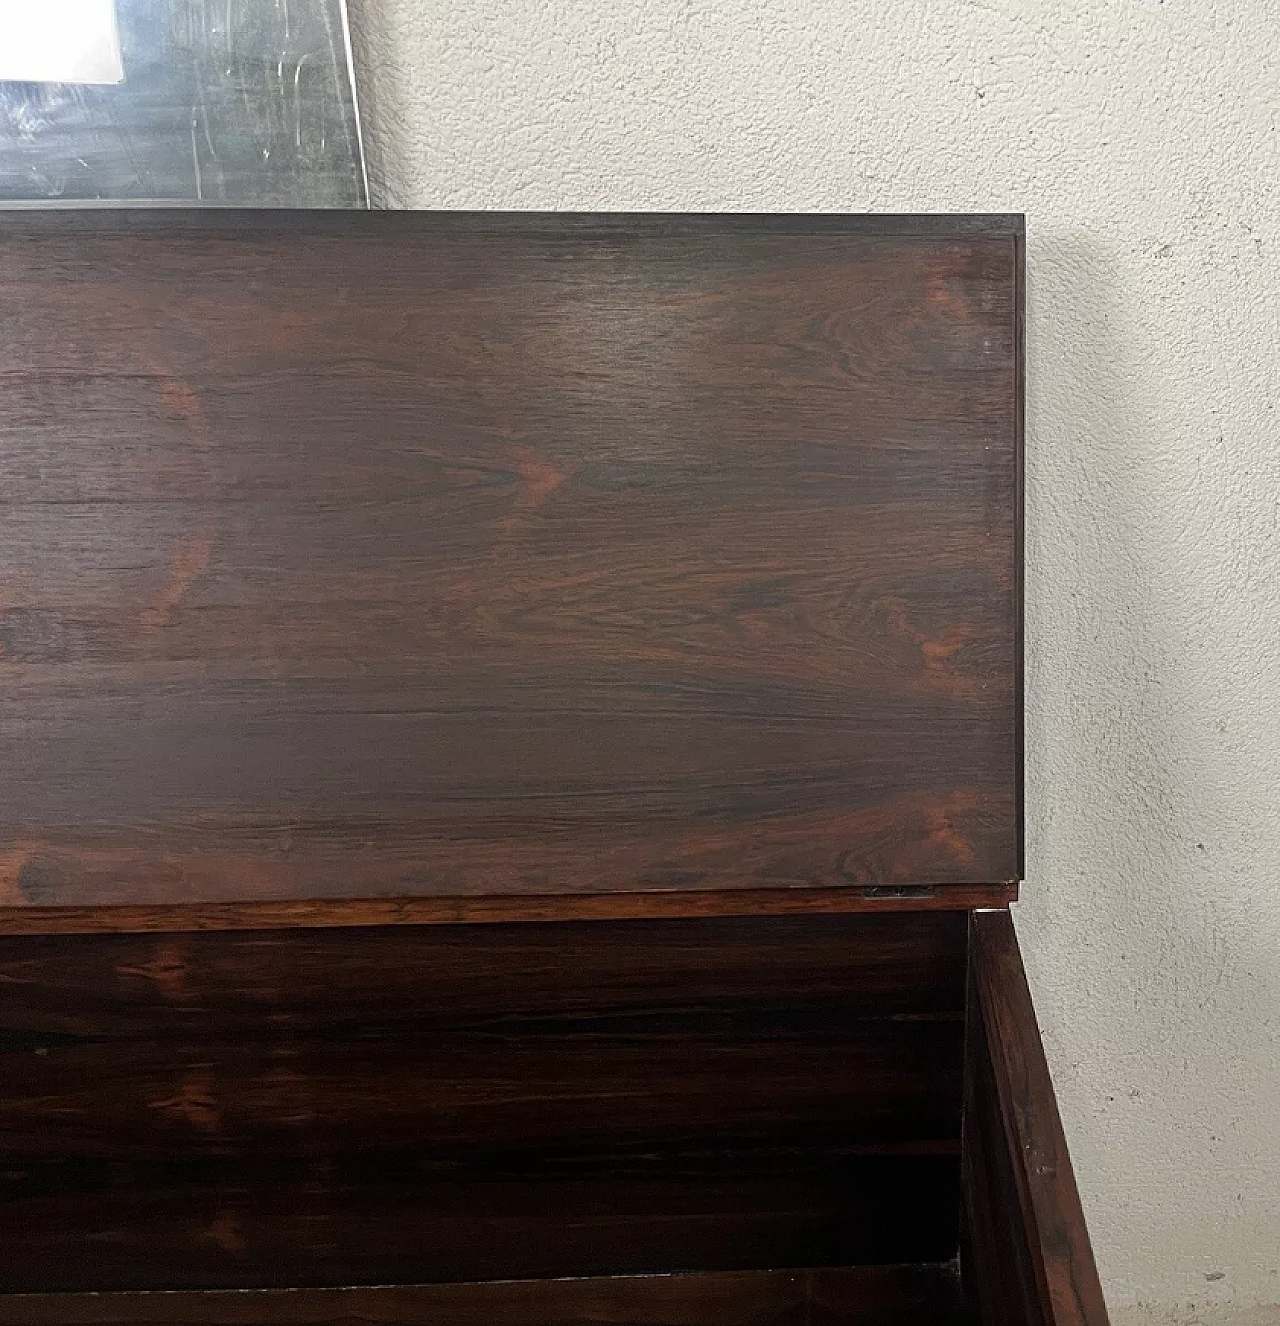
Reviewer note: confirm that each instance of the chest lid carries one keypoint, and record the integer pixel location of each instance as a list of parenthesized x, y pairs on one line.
[(420, 566)]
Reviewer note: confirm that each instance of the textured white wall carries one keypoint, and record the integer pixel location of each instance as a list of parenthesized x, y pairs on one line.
[(1140, 137)]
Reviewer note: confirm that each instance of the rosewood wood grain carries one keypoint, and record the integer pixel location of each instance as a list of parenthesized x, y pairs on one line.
[(465, 980), (664, 1084), (1027, 1260), (354, 1221), (498, 909), (422, 557), (854, 1296), (241, 1109)]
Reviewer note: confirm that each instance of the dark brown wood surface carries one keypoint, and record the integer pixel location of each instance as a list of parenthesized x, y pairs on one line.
[(923, 1295), (348, 912), (248, 1227), (395, 556), (319, 1107), (1027, 1259)]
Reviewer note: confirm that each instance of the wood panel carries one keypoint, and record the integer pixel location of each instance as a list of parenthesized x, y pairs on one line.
[(1028, 1260), (412, 557), (346, 912), (503, 982), (387, 1219), (661, 1083), (874, 1295), (240, 1109)]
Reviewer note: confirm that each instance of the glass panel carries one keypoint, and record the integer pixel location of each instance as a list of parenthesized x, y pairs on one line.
[(244, 102)]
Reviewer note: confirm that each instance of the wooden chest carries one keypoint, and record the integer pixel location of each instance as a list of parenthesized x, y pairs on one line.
[(510, 775)]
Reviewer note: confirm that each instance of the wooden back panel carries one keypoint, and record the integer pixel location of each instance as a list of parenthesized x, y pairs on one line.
[(405, 1104), (353, 556)]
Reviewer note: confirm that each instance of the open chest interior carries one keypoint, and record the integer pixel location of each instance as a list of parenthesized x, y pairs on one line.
[(761, 1114)]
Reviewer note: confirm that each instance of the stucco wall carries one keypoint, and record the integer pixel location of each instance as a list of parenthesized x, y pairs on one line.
[(1140, 138)]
